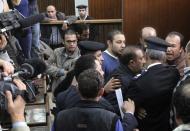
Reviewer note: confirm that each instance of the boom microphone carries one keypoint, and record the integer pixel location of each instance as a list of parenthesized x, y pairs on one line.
[(30, 69), (38, 65), (17, 20)]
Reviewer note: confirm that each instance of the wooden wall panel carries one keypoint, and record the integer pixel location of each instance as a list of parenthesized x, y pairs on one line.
[(105, 9), (164, 15), (103, 30), (65, 6), (99, 9)]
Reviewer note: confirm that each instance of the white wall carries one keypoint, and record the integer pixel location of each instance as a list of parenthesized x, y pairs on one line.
[(79, 2)]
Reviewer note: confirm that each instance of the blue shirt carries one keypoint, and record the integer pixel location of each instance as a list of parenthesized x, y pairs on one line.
[(109, 64), (23, 8), (118, 126)]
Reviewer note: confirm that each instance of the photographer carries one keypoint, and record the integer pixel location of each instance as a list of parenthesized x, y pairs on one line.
[(3, 41), (16, 108)]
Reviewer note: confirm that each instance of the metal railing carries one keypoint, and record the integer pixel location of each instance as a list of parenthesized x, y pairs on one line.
[(103, 26)]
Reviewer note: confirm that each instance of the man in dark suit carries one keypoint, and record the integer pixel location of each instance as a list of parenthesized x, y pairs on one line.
[(153, 89), (52, 35), (82, 10), (131, 63)]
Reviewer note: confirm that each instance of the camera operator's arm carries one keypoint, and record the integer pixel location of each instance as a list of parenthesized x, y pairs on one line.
[(16, 109), (3, 41), (7, 67)]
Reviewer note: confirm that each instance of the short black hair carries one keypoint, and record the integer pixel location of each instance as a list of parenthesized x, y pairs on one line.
[(79, 28), (69, 32), (111, 34), (129, 53), (173, 33), (83, 63), (89, 83), (181, 100)]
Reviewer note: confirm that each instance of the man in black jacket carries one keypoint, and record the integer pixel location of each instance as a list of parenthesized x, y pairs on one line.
[(153, 89), (131, 63), (88, 115), (52, 35)]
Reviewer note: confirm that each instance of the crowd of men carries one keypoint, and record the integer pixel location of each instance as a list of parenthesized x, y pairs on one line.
[(105, 86)]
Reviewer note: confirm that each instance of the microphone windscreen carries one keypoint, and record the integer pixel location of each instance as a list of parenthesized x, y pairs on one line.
[(27, 68), (29, 21), (38, 65)]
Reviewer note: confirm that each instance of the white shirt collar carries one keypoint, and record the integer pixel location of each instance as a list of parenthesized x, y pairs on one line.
[(106, 51), (151, 65)]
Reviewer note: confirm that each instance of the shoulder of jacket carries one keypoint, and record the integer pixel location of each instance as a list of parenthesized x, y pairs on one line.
[(60, 49), (169, 66), (138, 76)]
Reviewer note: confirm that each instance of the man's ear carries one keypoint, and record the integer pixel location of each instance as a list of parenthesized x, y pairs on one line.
[(131, 61), (181, 49), (101, 91), (109, 42)]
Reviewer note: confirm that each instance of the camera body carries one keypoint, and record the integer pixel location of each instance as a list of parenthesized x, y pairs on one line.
[(27, 72), (6, 84), (9, 20)]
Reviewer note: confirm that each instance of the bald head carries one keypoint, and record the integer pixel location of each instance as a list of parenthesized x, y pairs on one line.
[(51, 11), (148, 31)]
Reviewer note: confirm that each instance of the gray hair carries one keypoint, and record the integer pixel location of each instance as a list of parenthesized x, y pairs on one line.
[(156, 54)]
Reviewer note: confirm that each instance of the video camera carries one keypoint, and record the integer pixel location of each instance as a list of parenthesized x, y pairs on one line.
[(15, 20), (27, 71)]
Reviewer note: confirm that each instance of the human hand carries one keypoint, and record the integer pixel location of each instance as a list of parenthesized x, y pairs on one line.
[(3, 41), (128, 106), (64, 26), (16, 106), (141, 113), (112, 84), (7, 67)]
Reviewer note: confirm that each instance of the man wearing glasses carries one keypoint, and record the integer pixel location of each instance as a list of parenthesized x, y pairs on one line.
[(63, 58)]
